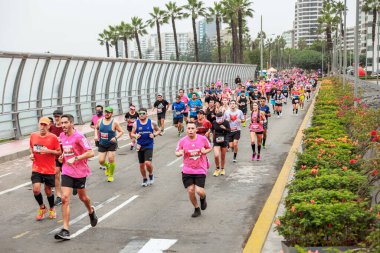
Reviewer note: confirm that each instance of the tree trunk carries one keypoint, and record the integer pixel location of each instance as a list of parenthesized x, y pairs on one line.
[(108, 49), (138, 45), (374, 13), (329, 44), (218, 39), (159, 39), (116, 49), (196, 50), (175, 39), (241, 42), (125, 46), (234, 42)]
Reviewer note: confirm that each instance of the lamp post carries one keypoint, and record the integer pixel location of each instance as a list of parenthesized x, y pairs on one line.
[(345, 44), (356, 65)]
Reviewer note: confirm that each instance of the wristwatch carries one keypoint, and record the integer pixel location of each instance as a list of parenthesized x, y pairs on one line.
[(76, 158)]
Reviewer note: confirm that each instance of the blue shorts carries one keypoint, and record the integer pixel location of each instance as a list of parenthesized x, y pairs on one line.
[(272, 102)]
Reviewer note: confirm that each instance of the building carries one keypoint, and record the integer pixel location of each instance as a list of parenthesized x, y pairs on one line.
[(350, 37), (289, 38), (206, 30), (307, 13)]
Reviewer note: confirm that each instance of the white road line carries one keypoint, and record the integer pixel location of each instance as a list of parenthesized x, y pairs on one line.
[(86, 213), (80, 231), (157, 245), (6, 174), (15, 188), (174, 161)]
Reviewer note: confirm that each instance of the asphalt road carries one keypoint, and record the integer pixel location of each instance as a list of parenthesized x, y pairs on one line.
[(132, 217)]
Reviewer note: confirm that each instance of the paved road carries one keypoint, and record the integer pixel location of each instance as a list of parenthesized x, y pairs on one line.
[(131, 215)]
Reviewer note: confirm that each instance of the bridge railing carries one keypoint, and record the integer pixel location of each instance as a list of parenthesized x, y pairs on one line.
[(34, 85)]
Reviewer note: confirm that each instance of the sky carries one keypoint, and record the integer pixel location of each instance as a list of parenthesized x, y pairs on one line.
[(72, 26)]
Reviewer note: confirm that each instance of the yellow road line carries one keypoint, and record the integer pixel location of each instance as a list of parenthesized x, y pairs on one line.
[(21, 235), (260, 231)]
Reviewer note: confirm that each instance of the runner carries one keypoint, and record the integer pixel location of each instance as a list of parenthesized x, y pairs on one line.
[(302, 97), (295, 95), (211, 111), (94, 121), (224, 107), (256, 131), (178, 108), (220, 130), (278, 100), (235, 117), (185, 100), (131, 117), (285, 91), (308, 88), (266, 110), (162, 106), (44, 148), (76, 151), (107, 129), (242, 101), (203, 125), (254, 97), (195, 105), (194, 148), (145, 130), (56, 129), (267, 88)]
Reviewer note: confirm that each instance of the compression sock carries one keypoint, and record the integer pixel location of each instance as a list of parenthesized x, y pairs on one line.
[(258, 149), (253, 148), (296, 111), (235, 154), (264, 139), (39, 199), (51, 200), (112, 168)]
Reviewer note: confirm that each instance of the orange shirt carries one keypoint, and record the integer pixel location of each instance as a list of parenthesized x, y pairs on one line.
[(43, 163)]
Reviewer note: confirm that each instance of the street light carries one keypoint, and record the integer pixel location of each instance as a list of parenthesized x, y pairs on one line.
[(356, 65)]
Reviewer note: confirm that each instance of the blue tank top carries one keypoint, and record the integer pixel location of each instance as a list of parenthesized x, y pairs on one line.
[(144, 130), (106, 134)]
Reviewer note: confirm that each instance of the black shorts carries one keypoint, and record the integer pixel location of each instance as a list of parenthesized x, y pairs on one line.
[(71, 182), (129, 128), (47, 179), (207, 99), (243, 110), (258, 132), (234, 136), (277, 104), (161, 115), (103, 149), (96, 143), (286, 94), (177, 120), (185, 114), (267, 93), (223, 144), (308, 91), (295, 101), (58, 164), (197, 179), (145, 155)]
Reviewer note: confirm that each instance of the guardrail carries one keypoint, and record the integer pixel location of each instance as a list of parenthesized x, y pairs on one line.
[(34, 85)]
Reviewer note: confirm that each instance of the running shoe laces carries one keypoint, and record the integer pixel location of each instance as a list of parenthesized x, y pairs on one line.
[(41, 213), (52, 213)]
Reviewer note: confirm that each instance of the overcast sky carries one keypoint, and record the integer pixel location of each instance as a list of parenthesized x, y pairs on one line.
[(72, 26)]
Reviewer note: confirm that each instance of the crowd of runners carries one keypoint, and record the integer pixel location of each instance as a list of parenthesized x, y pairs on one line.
[(217, 115)]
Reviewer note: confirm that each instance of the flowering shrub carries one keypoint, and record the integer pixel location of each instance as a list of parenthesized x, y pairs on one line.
[(328, 202)]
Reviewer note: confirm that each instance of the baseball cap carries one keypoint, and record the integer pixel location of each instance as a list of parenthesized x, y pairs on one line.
[(44, 120), (202, 112), (109, 109), (57, 112)]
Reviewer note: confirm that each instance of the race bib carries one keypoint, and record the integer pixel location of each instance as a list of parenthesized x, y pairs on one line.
[(242, 103), (38, 148), (296, 100), (104, 136), (193, 109), (220, 139), (68, 150), (159, 110), (195, 154), (234, 128)]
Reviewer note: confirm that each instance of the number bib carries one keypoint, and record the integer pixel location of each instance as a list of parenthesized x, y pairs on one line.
[(219, 139)]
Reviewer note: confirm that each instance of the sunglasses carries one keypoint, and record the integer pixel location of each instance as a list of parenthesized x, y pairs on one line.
[(142, 113), (57, 116)]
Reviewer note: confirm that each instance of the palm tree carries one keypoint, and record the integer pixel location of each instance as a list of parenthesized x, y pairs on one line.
[(174, 12), (158, 18), (328, 21), (372, 6), (217, 12), (231, 18), (125, 32), (138, 29), (104, 39), (114, 36), (243, 11), (196, 9)]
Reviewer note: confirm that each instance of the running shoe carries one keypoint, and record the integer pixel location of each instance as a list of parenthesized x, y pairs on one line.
[(254, 157), (144, 183), (197, 212), (222, 172), (131, 147), (64, 234), (151, 180), (234, 160), (58, 201), (278, 116), (258, 158), (102, 167), (263, 146), (93, 217), (244, 124), (203, 203), (41, 214), (75, 191), (216, 173), (179, 134), (110, 179), (52, 213)]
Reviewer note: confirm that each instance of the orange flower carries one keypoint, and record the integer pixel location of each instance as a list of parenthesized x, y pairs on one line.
[(303, 167), (293, 209), (312, 201), (314, 171), (344, 168), (277, 222)]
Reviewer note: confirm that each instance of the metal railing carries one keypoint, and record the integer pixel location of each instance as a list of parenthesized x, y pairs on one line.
[(34, 85)]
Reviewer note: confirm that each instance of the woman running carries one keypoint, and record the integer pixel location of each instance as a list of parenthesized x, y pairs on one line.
[(242, 101), (295, 99), (302, 96), (220, 130), (256, 130), (278, 100)]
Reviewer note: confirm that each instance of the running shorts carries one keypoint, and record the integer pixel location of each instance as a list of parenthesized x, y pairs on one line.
[(103, 149), (145, 155), (177, 120), (47, 179), (196, 179), (71, 182), (234, 136), (161, 115)]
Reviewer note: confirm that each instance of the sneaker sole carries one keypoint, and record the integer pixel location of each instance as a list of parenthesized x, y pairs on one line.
[(65, 238)]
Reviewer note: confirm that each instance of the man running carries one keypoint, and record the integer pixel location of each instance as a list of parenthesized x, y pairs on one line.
[(195, 105), (131, 117), (194, 148), (145, 130), (94, 121), (44, 148), (211, 111), (178, 108), (264, 108), (56, 129), (203, 125), (242, 101), (235, 118), (76, 151), (185, 100), (106, 129), (220, 130), (162, 106)]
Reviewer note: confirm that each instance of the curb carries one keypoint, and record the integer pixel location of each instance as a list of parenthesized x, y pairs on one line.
[(263, 224)]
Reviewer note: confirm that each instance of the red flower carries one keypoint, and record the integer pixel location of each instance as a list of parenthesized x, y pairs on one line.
[(314, 171), (353, 161), (329, 225), (312, 201), (374, 172), (373, 132), (303, 167), (277, 222)]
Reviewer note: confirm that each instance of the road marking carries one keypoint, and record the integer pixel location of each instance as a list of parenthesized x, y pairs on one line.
[(6, 174), (15, 188), (85, 214), (80, 231), (21, 235), (174, 161), (157, 245)]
